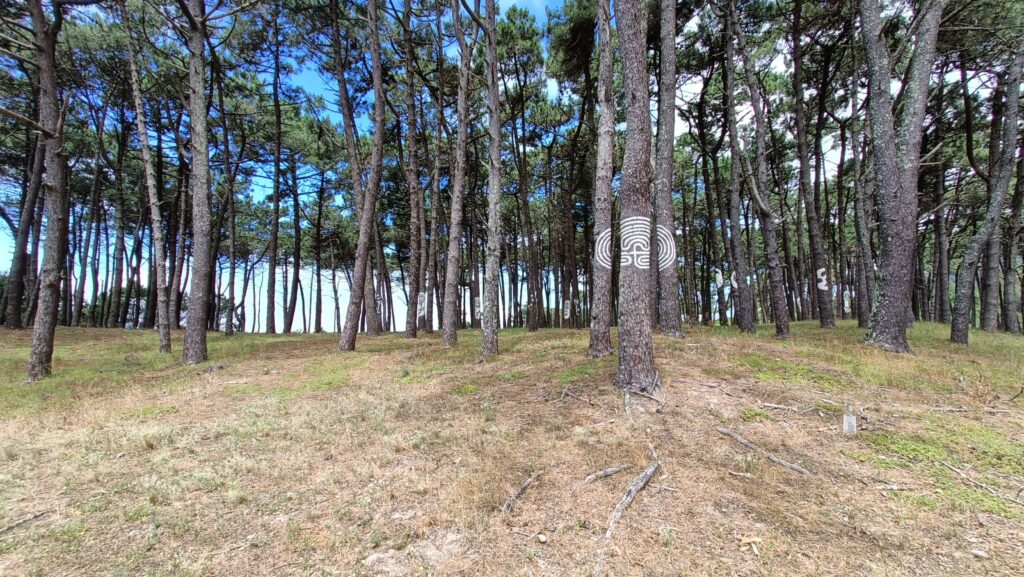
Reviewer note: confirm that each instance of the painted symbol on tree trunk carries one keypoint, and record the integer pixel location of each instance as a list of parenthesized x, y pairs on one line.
[(718, 278), (566, 311), (822, 279), (732, 280), (603, 249), (636, 242), (666, 247), (421, 306)]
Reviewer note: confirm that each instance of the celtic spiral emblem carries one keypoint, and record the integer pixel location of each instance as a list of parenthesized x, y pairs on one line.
[(636, 242), (732, 280), (421, 306), (822, 279), (718, 277), (566, 311), (636, 245)]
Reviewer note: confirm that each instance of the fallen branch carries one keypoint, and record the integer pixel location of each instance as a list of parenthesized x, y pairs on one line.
[(632, 491), (634, 488), (1015, 397), (607, 472), (26, 519), (511, 501), (757, 449), (981, 485)]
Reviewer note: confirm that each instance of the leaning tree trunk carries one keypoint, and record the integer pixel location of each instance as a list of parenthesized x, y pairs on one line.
[(759, 185), (667, 270), (897, 154), (156, 218), (600, 312), (194, 349), (450, 320), (1001, 175), (492, 278), (55, 191), (636, 351), (369, 202)]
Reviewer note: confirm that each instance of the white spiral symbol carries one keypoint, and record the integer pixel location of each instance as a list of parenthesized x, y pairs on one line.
[(718, 277), (566, 311), (732, 280), (603, 249), (822, 279), (421, 306), (666, 247), (636, 242)]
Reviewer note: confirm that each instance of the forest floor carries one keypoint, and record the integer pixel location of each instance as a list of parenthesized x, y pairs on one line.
[(284, 457)]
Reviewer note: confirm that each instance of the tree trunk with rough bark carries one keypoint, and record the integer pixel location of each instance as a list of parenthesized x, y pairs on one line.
[(667, 269), (636, 351), (492, 273), (600, 313)]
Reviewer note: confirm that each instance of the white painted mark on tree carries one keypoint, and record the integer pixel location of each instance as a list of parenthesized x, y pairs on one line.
[(566, 311), (603, 249), (666, 247), (822, 279), (718, 278), (732, 280), (636, 242), (421, 306)]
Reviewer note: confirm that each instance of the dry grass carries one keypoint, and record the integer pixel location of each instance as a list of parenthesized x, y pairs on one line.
[(289, 458)]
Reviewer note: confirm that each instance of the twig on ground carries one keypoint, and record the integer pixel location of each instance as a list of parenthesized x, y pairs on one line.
[(1017, 396), (661, 402), (981, 485), (711, 385), (511, 501), (757, 449), (26, 519), (780, 407), (607, 472), (738, 474), (567, 393)]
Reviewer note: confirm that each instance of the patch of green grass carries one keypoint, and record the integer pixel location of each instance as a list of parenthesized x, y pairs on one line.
[(752, 414), (242, 389), (148, 412), (465, 389), (586, 371), (774, 369)]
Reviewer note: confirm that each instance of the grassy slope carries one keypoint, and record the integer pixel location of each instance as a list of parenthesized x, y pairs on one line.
[(285, 457)]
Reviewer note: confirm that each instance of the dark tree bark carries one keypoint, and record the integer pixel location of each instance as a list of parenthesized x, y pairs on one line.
[(367, 210), (412, 177), (600, 312), (636, 351), (1011, 294), (492, 272), (194, 349), (742, 298), (1002, 172), (897, 154), (450, 320), (667, 270), (54, 190)]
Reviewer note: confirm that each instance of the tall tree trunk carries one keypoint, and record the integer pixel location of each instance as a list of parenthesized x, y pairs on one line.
[(897, 154), (636, 351), (742, 299), (449, 325), (667, 270), (1011, 296), (54, 190), (367, 216), (601, 310), (1001, 174), (822, 281), (492, 272), (412, 177), (759, 185), (194, 349)]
